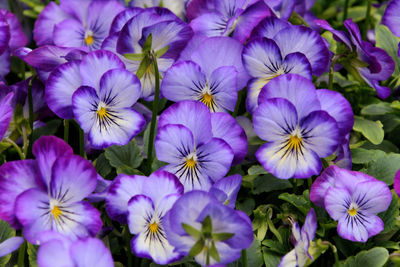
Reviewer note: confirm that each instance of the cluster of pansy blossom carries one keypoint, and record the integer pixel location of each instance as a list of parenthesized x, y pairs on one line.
[(200, 64)]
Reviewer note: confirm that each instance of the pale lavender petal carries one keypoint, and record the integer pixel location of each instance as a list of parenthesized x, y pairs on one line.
[(91, 252), (77, 8), (310, 224), (230, 185), (73, 178), (121, 191), (325, 181), (46, 150), (140, 207), (17, 36), (70, 33), (10, 245), (360, 232), (210, 24), (54, 253), (217, 52), (223, 86), (274, 159), (337, 201), (289, 260), (297, 63), (51, 15), (225, 127), (119, 88), (191, 114), (269, 27), (295, 88), (391, 17), (308, 42), (84, 103), (320, 133), (15, 178), (338, 107), (372, 197), (60, 86), (95, 64)]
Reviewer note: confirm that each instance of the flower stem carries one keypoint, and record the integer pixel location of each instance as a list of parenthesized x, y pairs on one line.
[(155, 112), (30, 103), (238, 102), (19, 151), (346, 6), (334, 250), (127, 237), (66, 131), (81, 142), (367, 19), (244, 258), (21, 255)]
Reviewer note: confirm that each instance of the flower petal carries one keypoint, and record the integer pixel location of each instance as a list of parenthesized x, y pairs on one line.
[(91, 252), (10, 245), (360, 231), (230, 186), (6, 113), (70, 33), (140, 210), (372, 196)]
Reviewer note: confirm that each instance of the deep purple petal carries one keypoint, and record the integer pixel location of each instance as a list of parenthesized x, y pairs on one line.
[(6, 113), (295, 88), (47, 149), (73, 178), (17, 36), (51, 15), (391, 17), (91, 252), (5, 64), (396, 182), (122, 18), (338, 107), (60, 86), (269, 27), (339, 36), (297, 63), (191, 114), (310, 224), (4, 34), (274, 118), (225, 127), (121, 191)]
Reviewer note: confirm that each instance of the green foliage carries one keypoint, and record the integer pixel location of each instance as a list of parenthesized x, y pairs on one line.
[(375, 257)]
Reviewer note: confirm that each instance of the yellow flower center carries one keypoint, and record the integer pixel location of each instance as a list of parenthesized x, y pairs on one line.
[(153, 227), (102, 112), (56, 212), (89, 40), (190, 163), (208, 99), (352, 211), (294, 142)]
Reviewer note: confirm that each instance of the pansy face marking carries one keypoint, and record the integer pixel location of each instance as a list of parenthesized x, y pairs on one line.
[(89, 39)]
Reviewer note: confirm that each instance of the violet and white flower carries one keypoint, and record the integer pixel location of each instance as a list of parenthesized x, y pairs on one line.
[(353, 199), (198, 225), (142, 202), (226, 17), (57, 250), (129, 33), (99, 92), (298, 131), (185, 140), (380, 64), (211, 78), (301, 254), (76, 23), (178, 7), (47, 193)]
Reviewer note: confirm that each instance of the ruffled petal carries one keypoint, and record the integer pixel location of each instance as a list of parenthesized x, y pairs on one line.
[(337, 201), (54, 253), (70, 33), (91, 252), (359, 230), (372, 197)]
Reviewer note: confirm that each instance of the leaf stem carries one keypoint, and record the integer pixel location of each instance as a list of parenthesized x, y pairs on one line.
[(21, 255), (346, 6), (155, 112), (30, 103), (244, 258), (334, 250), (19, 151)]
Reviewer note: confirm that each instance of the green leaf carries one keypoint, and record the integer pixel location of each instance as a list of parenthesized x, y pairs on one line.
[(274, 245), (271, 259), (32, 252), (197, 248), (214, 252), (128, 170), (50, 129), (134, 57), (206, 226), (102, 166), (372, 130), (254, 254), (362, 156), (375, 257), (301, 202), (256, 170), (6, 232), (191, 231), (268, 183), (387, 41), (128, 155), (118, 264), (381, 108), (222, 236), (384, 168), (147, 44), (145, 66), (389, 216), (161, 52)]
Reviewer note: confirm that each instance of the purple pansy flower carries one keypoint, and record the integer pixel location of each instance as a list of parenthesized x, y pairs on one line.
[(380, 64), (215, 84), (142, 202), (226, 189), (353, 199), (57, 250), (6, 113), (131, 29), (391, 17), (225, 17), (47, 193), (178, 7), (197, 154), (298, 131), (76, 23), (263, 60), (301, 254), (198, 219)]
